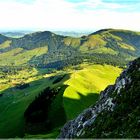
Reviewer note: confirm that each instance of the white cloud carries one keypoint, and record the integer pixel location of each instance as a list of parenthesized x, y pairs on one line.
[(100, 4), (62, 15)]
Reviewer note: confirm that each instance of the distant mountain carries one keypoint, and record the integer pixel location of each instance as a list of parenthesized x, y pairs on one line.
[(47, 49), (72, 33), (15, 34), (117, 112)]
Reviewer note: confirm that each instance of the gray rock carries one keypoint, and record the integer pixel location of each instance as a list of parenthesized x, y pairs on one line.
[(77, 127)]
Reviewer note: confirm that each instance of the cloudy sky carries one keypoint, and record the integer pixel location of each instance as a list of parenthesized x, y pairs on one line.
[(69, 15)]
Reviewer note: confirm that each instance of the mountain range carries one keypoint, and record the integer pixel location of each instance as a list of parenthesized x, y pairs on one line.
[(47, 80), (46, 49)]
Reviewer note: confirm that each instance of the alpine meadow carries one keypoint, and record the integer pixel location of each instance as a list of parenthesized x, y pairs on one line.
[(69, 69)]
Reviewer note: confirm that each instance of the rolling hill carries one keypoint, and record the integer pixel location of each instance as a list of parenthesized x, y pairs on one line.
[(46, 49), (79, 89), (15, 34), (115, 115), (45, 74)]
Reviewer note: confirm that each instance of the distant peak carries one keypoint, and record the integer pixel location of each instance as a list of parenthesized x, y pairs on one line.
[(111, 30), (40, 33)]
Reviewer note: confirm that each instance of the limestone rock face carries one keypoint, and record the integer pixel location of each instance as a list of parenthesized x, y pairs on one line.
[(112, 101)]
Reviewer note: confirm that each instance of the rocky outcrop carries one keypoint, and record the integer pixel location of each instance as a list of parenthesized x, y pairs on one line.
[(112, 101)]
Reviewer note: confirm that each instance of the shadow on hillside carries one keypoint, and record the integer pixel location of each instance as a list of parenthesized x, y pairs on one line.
[(62, 114), (61, 108), (14, 101), (74, 107), (46, 112)]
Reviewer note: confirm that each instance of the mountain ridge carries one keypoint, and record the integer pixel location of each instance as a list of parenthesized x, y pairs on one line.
[(58, 48), (116, 109)]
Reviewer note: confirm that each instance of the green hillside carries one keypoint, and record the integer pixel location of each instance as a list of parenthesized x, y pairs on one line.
[(80, 89), (54, 75), (83, 89), (116, 114), (121, 45)]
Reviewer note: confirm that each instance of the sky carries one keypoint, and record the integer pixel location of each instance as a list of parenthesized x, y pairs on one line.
[(69, 15)]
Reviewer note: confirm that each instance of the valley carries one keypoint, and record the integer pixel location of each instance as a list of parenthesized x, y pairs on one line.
[(55, 75), (79, 94)]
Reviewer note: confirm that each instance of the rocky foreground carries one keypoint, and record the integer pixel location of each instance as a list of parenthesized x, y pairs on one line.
[(115, 115)]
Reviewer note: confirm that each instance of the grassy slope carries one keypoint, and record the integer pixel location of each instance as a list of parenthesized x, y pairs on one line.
[(92, 42), (6, 44), (84, 86), (77, 96), (97, 43), (21, 76), (13, 106), (74, 42), (15, 101), (19, 56), (80, 93), (106, 42)]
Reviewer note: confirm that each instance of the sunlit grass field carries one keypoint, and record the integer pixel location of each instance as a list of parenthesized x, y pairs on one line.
[(83, 87)]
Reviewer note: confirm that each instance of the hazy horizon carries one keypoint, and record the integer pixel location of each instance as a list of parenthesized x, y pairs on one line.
[(69, 15), (51, 30)]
